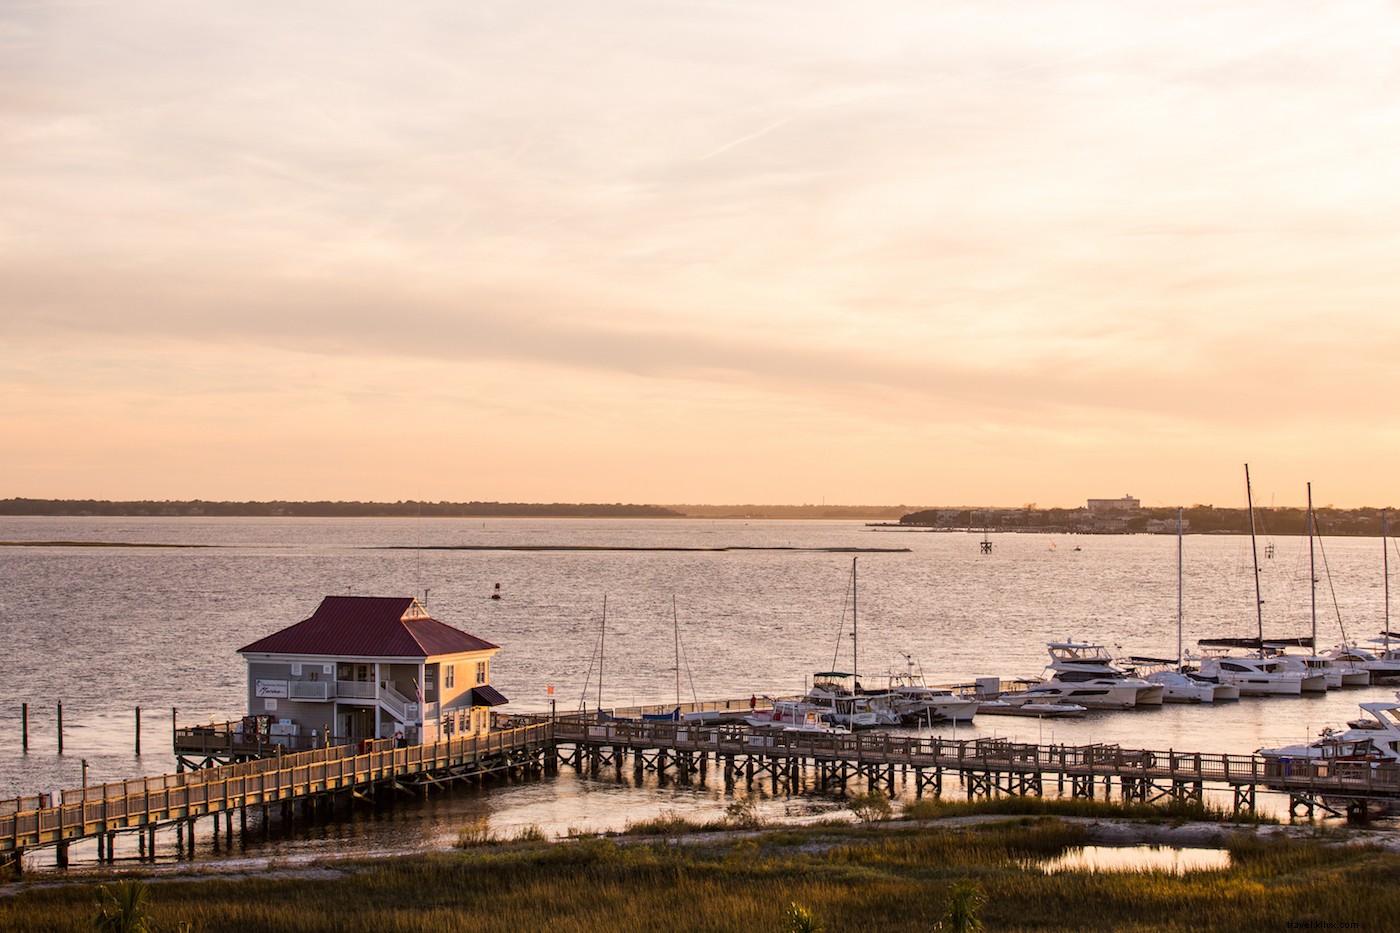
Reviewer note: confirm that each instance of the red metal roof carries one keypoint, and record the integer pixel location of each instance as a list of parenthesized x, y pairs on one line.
[(368, 627)]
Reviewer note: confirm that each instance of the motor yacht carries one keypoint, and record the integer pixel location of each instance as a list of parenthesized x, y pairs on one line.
[(1084, 673), (1383, 665), (915, 701), (1373, 739), (1183, 687), (1256, 676), (1334, 675)]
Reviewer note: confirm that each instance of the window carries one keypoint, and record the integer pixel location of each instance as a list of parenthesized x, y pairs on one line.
[(449, 677), (481, 672)]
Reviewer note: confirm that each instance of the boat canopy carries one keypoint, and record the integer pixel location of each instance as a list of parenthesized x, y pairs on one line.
[(832, 675), (1255, 643)]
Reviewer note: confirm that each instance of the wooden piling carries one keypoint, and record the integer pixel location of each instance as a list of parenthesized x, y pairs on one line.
[(138, 732), (60, 727), (24, 725)]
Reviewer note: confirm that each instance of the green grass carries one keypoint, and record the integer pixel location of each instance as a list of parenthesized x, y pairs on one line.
[(895, 877)]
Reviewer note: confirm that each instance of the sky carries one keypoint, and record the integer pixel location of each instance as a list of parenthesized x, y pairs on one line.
[(997, 253)]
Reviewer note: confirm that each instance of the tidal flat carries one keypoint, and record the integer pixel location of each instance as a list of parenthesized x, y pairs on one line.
[(894, 875)]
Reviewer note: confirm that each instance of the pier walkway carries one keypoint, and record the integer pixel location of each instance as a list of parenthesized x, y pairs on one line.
[(983, 766), (142, 805)]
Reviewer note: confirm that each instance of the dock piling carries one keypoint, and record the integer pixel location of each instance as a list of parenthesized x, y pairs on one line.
[(24, 725), (138, 732), (60, 727)]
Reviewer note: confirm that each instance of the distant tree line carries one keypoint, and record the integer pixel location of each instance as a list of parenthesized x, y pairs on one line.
[(404, 509), (1198, 519)]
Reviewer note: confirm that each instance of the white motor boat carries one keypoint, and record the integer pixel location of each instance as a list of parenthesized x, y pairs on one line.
[(836, 694), (1085, 673), (1181, 687), (795, 716), (1374, 739), (1383, 666), (1313, 667), (1047, 710), (915, 701), (1255, 676)]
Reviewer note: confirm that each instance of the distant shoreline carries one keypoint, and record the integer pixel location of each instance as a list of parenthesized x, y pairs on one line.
[(1197, 519)]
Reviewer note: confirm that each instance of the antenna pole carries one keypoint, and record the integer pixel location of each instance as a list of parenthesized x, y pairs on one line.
[(1254, 548)]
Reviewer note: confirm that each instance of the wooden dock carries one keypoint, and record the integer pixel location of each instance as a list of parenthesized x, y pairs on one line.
[(99, 812), (983, 766)]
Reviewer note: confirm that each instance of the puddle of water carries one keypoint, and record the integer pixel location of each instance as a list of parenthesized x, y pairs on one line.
[(1137, 858)]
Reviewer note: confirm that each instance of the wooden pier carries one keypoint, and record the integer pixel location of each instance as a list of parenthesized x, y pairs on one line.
[(788, 759), (984, 767), (142, 805)]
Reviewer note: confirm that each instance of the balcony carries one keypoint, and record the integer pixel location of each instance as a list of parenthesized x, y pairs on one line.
[(315, 690)]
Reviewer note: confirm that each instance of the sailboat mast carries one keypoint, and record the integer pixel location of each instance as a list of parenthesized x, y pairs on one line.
[(1312, 570), (855, 642), (1254, 548), (602, 639), (1179, 661), (1385, 563), (676, 619)]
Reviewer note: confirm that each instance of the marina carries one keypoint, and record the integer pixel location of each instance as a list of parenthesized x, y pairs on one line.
[(776, 608)]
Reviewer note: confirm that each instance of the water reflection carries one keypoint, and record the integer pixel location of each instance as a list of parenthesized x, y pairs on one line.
[(1137, 858)]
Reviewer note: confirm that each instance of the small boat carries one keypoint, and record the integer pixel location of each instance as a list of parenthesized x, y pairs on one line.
[(794, 716), (1048, 710)]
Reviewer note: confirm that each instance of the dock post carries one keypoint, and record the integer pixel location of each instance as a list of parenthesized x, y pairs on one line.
[(151, 843), (190, 830), (61, 855), (24, 725), (138, 732), (60, 727), (141, 844)]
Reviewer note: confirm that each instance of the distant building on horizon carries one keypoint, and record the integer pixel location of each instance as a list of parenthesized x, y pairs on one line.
[(1125, 504)]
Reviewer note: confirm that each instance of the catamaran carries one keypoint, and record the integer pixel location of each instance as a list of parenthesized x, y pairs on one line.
[(1178, 684), (1258, 674)]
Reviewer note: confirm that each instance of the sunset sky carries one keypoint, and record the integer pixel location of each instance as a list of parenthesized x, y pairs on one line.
[(769, 252)]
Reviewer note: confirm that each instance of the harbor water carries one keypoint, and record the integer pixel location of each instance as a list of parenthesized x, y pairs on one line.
[(107, 614)]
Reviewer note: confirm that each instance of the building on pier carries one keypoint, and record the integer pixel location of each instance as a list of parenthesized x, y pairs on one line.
[(366, 667)]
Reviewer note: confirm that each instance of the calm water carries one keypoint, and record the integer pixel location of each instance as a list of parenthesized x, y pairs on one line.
[(107, 629)]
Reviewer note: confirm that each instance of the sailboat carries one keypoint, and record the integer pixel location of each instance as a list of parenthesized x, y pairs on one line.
[(839, 694), (1178, 684), (675, 714), (1385, 666), (1256, 675), (1334, 674)]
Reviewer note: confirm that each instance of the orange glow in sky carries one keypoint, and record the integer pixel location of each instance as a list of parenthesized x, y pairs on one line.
[(687, 252)]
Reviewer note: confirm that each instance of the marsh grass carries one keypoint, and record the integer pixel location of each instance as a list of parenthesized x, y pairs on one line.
[(896, 877)]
